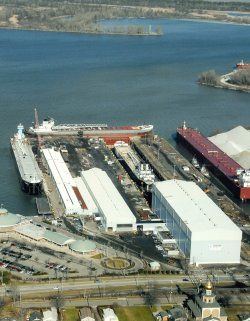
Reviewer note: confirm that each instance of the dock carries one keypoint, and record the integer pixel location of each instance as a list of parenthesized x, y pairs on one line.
[(42, 205), (168, 163)]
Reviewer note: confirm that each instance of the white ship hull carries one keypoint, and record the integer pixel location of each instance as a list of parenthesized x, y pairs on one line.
[(48, 128)]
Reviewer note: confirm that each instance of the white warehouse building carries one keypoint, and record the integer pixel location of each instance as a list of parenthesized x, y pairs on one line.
[(63, 180), (203, 232), (115, 214)]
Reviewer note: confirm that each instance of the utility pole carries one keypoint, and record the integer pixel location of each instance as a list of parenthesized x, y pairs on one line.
[(174, 171)]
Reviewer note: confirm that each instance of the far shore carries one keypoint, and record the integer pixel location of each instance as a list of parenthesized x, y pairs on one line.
[(221, 17)]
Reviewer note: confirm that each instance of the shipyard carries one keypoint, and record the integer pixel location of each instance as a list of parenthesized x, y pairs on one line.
[(123, 202), (100, 182)]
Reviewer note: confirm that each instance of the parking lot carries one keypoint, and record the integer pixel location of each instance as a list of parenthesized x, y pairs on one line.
[(41, 262)]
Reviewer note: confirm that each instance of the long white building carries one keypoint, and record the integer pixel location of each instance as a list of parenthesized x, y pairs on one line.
[(87, 198), (115, 214), (203, 232), (63, 180)]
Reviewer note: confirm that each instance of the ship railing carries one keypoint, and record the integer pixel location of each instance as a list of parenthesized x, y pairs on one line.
[(61, 126)]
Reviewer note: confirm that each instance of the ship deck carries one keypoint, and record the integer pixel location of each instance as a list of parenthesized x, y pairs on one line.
[(210, 151), (128, 155), (26, 162)]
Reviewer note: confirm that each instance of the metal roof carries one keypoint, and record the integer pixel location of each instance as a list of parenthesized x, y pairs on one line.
[(107, 198), (7, 219), (82, 246), (86, 195), (196, 210), (31, 230), (63, 180), (236, 144), (57, 238)]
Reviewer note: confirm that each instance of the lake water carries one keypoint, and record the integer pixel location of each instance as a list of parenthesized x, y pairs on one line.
[(118, 80)]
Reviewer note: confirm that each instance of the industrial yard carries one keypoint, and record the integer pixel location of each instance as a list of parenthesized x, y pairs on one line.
[(121, 218), (106, 199)]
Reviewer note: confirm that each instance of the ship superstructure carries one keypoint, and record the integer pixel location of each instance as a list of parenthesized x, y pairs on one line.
[(141, 171), (243, 65), (30, 174), (232, 175), (48, 128)]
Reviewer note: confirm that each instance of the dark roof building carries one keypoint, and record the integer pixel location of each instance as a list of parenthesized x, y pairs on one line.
[(177, 314)]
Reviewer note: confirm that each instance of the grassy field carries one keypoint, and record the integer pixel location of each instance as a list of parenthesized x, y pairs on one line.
[(117, 263), (97, 256), (233, 312), (134, 314), (8, 311), (71, 314)]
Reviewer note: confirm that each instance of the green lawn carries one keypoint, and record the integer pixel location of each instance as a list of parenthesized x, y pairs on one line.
[(134, 314), (70, 314), (233, 312)]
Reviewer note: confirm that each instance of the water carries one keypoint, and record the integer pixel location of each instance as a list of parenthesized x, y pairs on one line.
[(239, 14), (118, 80)]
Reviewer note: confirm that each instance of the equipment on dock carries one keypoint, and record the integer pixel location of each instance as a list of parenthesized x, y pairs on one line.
[(30, 174), (195, 163), (204, 171), (232, 175)]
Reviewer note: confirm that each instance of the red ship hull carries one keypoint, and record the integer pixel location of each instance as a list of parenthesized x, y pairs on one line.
[(243, 66), (219, 163)]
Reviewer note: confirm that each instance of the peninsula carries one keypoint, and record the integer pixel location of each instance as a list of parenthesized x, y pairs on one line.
[(238, 79)]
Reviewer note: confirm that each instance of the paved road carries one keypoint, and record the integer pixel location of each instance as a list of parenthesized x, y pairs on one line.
[(107, 283)]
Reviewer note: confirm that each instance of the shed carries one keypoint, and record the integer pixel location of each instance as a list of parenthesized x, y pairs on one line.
[(86, 314), (154, 266), (109, 315)]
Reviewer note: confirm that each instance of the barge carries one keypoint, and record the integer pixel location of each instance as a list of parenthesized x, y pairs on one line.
[(228, 171)]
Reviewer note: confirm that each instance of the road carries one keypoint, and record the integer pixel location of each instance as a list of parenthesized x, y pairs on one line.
[(142, 281)]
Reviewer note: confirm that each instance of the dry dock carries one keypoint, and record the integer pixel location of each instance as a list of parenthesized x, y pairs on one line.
[(168, 163)]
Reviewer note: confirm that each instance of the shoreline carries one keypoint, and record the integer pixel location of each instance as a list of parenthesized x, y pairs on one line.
[(223, 84), (96, 32)]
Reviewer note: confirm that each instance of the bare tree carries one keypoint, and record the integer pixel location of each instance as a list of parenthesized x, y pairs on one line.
[(209, 78), (14, 292), (2, 303), (151, 298), (58, 302)]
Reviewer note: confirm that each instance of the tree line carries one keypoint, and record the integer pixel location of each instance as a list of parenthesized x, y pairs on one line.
[(83, 15), (241, 78)]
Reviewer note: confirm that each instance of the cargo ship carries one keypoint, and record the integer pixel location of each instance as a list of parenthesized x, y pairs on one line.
[(139, 171), (230, 173), (30, 174), (242, 65), (48, 128)]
